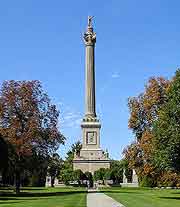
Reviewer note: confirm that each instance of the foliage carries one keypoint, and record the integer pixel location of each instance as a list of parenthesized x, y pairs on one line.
[(144, 108), (54, 167), (88, 176), (169, 179), (28, 121), (116, 171), (78, 175), (144, 111), (101, 174), (146, 181), (37, 166), (66, 173), (167, 130), (75, 148), (3, 154), (154, 119)]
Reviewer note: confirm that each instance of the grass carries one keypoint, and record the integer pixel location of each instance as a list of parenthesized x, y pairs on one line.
[(44, 197), (76, 197), (143, 197)]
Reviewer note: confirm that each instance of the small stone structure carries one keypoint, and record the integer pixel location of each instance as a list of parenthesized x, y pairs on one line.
[(134, 180), (56, 182)]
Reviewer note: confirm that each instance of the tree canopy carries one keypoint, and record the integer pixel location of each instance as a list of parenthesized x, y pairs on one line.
[(28, 121), (167, 130), (154, 120)]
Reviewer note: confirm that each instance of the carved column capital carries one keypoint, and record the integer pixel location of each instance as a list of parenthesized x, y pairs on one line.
[(89, 37)]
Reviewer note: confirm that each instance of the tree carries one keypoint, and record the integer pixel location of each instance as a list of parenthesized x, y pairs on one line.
[(100, 174), (28, 121), (89, 177), (116, 171), (3, 154), (75, 148), (167, 130), (37, 167), (54, 167), (66, 173), (144, 111), (78, 176)]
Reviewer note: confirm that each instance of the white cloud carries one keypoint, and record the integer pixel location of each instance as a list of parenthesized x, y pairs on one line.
[(115, 75), (69, 118)]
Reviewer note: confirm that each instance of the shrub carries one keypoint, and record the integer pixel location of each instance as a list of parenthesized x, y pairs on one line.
[(169, 179), (147, 182)]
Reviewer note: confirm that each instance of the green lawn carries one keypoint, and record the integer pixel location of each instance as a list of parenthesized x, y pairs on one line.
[(140, 197), (76, 197), (44, 197)]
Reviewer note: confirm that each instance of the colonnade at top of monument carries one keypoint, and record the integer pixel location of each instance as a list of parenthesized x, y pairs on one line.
[(90, 97)]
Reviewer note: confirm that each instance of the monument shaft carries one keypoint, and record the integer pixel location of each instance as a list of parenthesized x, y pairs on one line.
[(90, 40), (90, 102)]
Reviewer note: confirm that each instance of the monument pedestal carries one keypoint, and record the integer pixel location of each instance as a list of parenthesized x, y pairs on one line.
[(91, 164), (91, 157)]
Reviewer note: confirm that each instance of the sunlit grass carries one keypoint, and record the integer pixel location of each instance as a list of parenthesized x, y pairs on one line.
[(44, 197), (144, 197)]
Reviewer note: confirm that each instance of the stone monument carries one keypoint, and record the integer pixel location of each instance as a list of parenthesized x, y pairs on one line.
[(91, 157), (134, 180)]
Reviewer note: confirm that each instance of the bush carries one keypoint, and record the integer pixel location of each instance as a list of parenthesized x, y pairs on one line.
[(169, 179), (34, 181), (147, 182)]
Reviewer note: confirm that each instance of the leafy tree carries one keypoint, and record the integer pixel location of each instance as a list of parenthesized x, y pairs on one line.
[(54, 167), (37, 167), (3, 154), (116, 171), (144, 108), (100, 174), (28, 121), (144, 111), (89, 177), (167, 130), (75, 148), (78, 175), (66, 173)]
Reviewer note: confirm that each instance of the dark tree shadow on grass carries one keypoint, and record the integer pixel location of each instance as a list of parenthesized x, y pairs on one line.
[(39, 194), (23, 188), (176, 192), (2, 203), (32, 189), (120, 192), (174, 198), (17, 199)]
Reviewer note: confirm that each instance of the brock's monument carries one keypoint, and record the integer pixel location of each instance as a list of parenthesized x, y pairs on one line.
[(91, 156)]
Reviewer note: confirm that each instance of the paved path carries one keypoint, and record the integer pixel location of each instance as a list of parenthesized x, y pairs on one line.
[(101, 200)]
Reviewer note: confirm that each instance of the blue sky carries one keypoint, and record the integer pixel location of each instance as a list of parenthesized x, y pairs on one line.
[(42, 40)]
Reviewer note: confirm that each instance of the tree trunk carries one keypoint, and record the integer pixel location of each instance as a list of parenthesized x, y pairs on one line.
[(17, 182), (52, 181)]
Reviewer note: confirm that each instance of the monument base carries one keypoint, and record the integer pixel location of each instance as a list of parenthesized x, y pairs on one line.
[(91, 160), (129, 185)]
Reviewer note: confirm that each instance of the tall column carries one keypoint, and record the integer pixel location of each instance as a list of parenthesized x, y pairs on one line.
[(90, 40)]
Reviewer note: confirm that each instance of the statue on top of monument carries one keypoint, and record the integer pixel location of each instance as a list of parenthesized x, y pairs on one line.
[(89, 35), (90, 21)]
